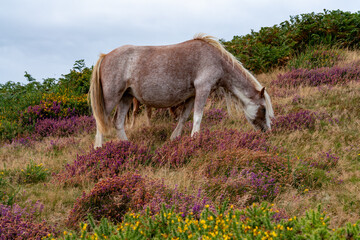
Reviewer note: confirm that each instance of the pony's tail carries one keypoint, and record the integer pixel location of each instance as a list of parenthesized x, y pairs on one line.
[(97, 99)]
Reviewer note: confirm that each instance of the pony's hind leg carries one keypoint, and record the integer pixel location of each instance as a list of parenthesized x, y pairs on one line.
[(188, 106), (134, 112), (99, 138), (148, 114), (122, 110)]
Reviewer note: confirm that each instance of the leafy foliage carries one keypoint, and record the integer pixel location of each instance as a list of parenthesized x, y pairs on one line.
[(255, 222), (272, 47), (22, 105)]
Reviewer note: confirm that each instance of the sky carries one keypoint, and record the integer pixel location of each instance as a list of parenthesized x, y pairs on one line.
[(46, 37)]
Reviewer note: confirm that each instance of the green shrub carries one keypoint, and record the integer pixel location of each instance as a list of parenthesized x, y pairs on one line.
[(316, 57), (272, 47), (255, 222)]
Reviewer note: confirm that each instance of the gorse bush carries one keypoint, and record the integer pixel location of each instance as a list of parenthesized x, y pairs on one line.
[(274, 46), (255, 222)]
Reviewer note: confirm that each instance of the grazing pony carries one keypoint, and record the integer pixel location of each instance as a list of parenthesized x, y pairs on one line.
[(166, 76)]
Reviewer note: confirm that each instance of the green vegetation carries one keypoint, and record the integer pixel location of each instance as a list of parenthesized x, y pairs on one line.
[(255, 222), (275, 46)]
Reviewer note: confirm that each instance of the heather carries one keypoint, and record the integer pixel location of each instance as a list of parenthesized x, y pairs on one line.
[(245, 176), (302, 119), (108, 161), (64, 127), (113, 197), (179, 151), (319, 76), (21, 223)]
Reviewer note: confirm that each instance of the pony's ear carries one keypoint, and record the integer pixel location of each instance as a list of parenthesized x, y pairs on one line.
[(262, 92)]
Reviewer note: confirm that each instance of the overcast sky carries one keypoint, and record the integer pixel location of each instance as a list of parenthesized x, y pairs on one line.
[(46, 37)]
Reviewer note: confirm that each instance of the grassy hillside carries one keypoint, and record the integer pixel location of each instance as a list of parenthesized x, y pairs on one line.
[(301, 180)]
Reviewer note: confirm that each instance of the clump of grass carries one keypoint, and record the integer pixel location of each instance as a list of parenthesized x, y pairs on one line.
[(34, 173), (7, 191)]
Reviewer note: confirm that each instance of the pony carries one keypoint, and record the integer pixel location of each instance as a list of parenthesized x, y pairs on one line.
[(166, 76)]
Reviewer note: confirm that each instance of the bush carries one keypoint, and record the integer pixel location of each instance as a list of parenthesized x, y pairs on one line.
[(108, 161), (64, 127), (113, 197), (316, 57), (20, 223), (255, 222), (245, 176), (319, 76), (303, 119), (178, 152), (272, 47)]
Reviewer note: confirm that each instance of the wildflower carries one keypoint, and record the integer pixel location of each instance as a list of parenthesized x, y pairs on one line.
[(84, 227)]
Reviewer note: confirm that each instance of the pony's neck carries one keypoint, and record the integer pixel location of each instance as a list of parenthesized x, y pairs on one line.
[(241, 85)]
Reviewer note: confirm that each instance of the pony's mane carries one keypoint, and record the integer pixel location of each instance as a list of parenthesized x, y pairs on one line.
[(213, 41)]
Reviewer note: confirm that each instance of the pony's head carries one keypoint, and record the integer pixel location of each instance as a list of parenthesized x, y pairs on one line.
[(259, 111)]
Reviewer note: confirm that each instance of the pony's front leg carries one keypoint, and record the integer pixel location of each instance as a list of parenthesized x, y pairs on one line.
[(98, 138), (122, 110), (188, 106), (200, 101)]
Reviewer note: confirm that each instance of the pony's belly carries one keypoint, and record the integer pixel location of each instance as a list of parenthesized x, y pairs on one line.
[(159, 99)]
